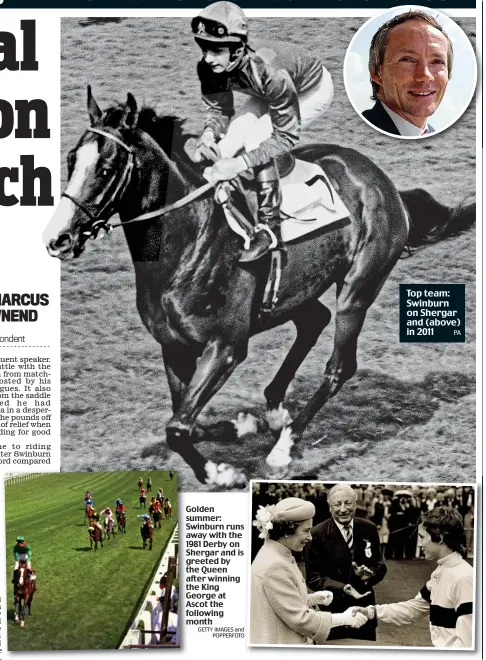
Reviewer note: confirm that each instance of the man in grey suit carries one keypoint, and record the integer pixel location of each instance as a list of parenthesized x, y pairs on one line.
[(344, 557), (410, 63)]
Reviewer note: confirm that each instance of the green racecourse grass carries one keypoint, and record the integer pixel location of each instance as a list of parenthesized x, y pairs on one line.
[(85, 600)]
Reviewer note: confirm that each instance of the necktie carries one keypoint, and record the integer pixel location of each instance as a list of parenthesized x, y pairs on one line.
[(348, 536)]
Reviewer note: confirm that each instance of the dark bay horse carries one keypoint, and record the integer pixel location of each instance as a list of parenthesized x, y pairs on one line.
[(121, 521), (24, 589), (147, 534), (199, 304), (156, 513)]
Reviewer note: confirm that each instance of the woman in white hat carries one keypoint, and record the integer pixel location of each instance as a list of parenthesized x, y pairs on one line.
[(281, 609)]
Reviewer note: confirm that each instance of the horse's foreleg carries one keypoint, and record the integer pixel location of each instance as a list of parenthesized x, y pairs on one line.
[(180, 364), (217, 363), (222, 353), (310, 319)]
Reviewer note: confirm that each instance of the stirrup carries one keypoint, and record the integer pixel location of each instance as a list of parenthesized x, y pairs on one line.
[(262, 227), (256, 251)]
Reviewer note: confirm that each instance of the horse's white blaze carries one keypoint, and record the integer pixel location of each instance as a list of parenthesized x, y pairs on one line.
[(86, 157), (278, 418), (59, 221), (21, 579), (280, 455), (244, 424)]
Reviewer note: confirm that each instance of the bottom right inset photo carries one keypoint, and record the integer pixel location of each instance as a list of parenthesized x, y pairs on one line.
[(362, 564)]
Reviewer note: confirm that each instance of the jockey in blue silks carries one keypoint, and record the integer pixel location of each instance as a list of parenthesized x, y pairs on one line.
[(289, 88)]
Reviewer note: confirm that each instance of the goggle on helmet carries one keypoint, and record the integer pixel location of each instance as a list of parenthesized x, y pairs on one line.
[(221, 23)]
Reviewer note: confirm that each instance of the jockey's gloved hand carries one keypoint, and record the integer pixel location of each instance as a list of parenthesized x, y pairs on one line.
[(225, 169), (207, 148)]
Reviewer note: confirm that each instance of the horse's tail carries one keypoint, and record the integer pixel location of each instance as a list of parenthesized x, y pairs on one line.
[(431, 222)]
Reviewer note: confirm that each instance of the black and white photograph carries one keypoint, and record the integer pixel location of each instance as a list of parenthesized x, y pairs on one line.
[(238, 315), (353, 564)]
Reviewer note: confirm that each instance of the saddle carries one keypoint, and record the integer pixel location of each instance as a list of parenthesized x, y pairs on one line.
[(309, 203)]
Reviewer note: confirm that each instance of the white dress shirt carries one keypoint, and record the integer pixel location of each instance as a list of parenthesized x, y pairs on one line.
[(405, 128), (341, 528)]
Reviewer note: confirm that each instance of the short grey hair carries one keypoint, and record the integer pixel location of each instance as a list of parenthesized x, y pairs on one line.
[(382, 37), (337, 487)]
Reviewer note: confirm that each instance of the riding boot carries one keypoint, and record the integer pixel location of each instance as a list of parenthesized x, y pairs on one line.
[(267, 234)]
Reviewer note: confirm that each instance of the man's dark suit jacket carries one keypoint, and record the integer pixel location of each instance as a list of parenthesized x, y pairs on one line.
[(379, 117), (328, 566)]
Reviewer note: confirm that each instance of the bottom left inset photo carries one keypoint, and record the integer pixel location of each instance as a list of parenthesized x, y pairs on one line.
[(92, 560)]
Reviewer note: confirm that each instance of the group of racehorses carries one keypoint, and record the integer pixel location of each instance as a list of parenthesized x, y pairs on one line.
[(97, 534)]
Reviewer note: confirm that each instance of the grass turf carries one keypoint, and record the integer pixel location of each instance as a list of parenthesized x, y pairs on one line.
[(85, 600)]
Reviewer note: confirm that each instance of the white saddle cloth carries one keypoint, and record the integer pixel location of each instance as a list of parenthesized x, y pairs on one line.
[(308, 196)]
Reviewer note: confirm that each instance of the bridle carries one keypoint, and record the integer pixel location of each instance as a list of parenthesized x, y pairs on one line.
[(98, 222), (97, 219)]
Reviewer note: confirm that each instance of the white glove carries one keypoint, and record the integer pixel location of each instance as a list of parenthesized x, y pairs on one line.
[(348, 618), (320, 598), (207, 148)]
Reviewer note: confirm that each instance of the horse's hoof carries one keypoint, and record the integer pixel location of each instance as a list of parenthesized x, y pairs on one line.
[(276, 474), (224, 475), (245, 424), (22, 624), (279, 458), (278, 418)]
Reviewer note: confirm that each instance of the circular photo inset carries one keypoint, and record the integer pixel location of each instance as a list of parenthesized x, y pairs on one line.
[(410, 72)]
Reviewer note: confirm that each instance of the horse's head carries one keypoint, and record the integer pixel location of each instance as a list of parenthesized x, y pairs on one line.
[(99, 169)]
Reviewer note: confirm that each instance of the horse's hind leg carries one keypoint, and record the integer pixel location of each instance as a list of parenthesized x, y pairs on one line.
[(354, 298), (310, 319)]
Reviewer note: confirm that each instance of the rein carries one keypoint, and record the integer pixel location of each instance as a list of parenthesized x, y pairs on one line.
[(96, 218)]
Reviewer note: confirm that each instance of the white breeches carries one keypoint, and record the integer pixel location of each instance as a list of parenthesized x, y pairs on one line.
[(252, 125)]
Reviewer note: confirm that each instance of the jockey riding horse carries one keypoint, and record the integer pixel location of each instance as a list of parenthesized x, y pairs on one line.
[(147, 531), (288, 88), (24, 581)]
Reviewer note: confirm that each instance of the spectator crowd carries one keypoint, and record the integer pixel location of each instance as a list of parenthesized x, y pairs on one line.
[(396, 510)]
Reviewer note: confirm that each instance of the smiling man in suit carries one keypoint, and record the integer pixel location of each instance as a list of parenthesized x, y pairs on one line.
[(344, 557), (410, 63)]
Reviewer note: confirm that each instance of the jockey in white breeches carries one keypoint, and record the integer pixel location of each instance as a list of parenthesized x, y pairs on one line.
[(289, 88)]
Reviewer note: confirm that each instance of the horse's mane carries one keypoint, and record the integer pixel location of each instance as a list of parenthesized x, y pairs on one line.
[(167, 130)]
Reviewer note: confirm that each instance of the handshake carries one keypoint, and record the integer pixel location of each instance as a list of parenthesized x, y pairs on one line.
[(354, 617), (369, 612)]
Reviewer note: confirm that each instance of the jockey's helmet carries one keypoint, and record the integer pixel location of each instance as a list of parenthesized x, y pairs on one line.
[(220, 23), (20, 539)]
